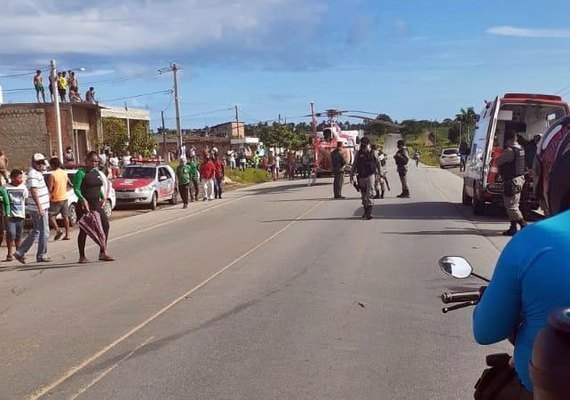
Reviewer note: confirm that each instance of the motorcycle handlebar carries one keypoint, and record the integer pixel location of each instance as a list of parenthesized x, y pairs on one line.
[(459, 297)]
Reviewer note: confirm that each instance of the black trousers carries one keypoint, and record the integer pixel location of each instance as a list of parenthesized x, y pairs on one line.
[(338, 182), (183, 190), (82, 237)]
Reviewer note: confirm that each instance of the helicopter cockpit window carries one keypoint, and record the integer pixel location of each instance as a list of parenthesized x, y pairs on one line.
[(327, 134)]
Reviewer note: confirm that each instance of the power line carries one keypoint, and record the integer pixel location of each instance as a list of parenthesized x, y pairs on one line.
[(205, 113), (169, 91), (114, 80), (17, 90), (23, 74)]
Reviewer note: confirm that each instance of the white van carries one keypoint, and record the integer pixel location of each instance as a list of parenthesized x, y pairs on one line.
[(528, 115)]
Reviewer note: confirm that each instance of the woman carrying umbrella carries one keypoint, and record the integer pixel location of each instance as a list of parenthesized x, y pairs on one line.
[(88, 187)]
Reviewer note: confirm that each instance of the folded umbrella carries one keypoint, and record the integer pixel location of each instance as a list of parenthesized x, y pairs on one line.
[(91, 224)]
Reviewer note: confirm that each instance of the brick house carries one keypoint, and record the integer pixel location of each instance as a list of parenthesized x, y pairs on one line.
[(28, 128)]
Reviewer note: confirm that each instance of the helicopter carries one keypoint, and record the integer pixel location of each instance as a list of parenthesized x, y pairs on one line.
[(325, 141)]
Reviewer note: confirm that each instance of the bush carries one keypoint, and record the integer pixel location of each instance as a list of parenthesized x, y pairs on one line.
[(250, 175)]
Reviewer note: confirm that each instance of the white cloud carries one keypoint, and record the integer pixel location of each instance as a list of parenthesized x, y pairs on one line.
[(529, 33), (131, 27)]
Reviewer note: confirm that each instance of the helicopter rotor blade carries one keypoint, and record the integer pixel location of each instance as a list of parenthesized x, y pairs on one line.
[(376, 121), (362, 112)]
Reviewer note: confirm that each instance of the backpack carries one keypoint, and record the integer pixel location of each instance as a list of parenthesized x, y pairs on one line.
[(365, 164)]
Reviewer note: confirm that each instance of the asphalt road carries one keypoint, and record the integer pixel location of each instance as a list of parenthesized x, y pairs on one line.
[(274, 292)]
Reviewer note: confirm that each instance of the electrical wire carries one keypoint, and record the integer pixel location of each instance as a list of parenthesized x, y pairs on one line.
[(203, 113), (22, 74), (169, 91), (17, 90), (114, 80)]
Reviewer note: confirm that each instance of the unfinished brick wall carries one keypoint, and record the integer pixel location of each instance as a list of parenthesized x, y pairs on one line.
[(23, 132)]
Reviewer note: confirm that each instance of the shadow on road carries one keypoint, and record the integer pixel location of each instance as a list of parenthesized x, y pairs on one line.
[(37, 266), (315, 199), (451, 231), (285, 188), (421, 210)]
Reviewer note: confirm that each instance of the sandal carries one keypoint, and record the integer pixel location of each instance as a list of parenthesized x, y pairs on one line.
[(66, 238), (9, 258), (84, 260), (106, 257), (58, 235)]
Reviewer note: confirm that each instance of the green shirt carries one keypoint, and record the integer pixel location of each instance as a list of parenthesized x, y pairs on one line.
[(183, 173), (5, 201), (78, 181), (193, 169)]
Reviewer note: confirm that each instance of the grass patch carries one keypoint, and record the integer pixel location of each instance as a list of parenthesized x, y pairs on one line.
[(430, 152), (250, 175)]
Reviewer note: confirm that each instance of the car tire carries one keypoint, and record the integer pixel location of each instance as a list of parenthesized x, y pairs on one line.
[(477, 204), (108, 209), (174, 199), (72, 214), (441, 166), (154, 201), (465, 199)]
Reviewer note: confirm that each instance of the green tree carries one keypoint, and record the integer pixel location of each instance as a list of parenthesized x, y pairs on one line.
[(141, 141), (453, 133), (411, 127), (115, 134), (467, 118), (116, 138)]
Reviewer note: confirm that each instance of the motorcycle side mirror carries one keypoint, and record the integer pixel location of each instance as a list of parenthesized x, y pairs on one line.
[(457, 267)]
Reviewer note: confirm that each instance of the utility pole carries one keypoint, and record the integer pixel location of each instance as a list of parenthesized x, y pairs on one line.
[(315, 138), (279, 119), (164, 137), (128, 125), (237, 121), (56, 109), (174, 69)]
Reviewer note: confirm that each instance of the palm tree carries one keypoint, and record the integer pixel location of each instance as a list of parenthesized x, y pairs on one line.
[(467, 117)]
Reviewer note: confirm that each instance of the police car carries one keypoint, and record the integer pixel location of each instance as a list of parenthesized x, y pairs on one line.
[(146, 182)]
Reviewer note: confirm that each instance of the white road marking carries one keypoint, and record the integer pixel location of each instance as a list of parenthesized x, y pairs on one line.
[(46, 389), (108, 370)]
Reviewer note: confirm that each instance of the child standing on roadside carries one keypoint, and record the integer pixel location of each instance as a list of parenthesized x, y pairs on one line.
[(17, 193)]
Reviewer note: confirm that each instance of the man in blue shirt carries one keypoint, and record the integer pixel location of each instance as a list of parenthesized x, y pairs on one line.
[(532, 276)]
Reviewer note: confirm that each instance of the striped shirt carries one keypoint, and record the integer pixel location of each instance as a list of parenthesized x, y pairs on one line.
[(36, 180)]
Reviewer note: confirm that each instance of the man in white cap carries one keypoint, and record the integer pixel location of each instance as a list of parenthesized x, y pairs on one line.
[(38, 205)]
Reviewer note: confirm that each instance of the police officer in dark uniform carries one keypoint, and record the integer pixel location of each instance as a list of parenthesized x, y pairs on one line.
[(402, 157), (337, 164), (512, 166), (365, 166)]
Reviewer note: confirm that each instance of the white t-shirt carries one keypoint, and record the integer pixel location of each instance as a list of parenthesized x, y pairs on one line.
[(114, 161), (36, 180), (126, 160), (17, 195)]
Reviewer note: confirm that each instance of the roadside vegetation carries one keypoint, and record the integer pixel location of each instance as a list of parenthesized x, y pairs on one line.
[(430, 137), (250, 175)]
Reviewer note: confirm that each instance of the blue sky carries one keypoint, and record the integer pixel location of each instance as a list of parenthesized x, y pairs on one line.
[(420, 59)]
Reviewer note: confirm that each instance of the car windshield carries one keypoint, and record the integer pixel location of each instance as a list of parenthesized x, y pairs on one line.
[(139, 172), (450, 152)]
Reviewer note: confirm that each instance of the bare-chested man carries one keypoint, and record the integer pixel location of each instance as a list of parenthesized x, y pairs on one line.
[(39, 86)]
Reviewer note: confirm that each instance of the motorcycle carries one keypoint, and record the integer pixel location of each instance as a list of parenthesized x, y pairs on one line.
[(550, 365)]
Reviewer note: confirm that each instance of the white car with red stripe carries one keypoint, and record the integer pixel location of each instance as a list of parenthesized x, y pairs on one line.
[(147, 183)]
